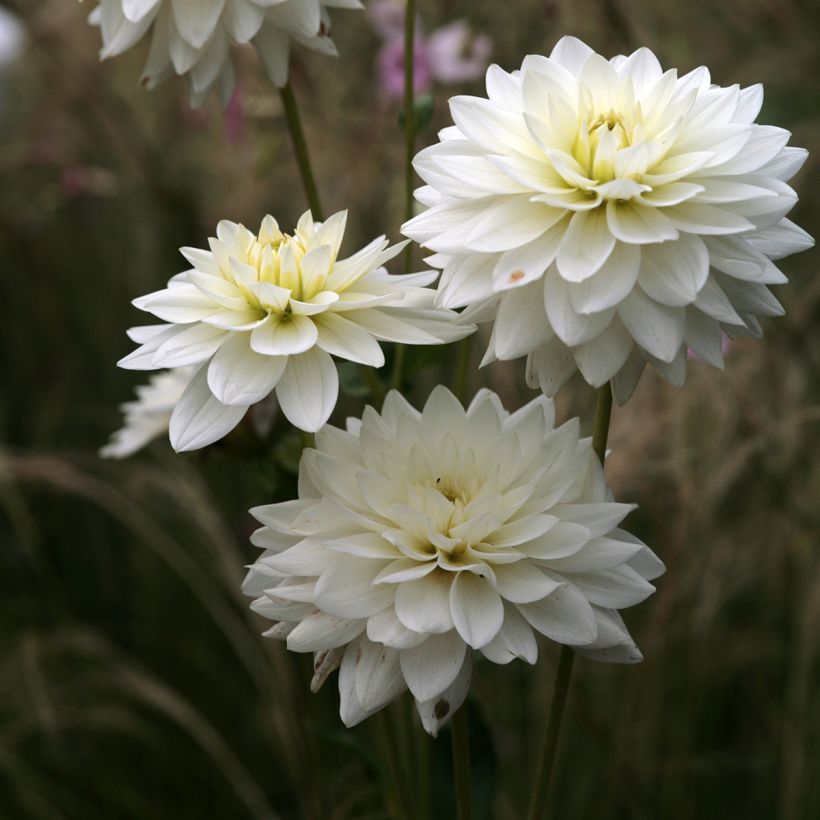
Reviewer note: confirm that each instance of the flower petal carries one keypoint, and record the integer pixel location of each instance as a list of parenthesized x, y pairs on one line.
[(308, 390)]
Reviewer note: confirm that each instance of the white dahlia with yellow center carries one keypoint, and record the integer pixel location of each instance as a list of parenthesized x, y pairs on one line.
[(267, 311), (419, 539), (608, 213), (195, 37)]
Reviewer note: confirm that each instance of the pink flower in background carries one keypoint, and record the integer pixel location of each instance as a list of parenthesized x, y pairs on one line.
[(456, 55), (449, 55), (235, 118)]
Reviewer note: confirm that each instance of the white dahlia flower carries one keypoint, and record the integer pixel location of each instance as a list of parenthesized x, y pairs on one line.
[(419, 538), (606, 214), (149, 415), (195, 36), (267, 311)]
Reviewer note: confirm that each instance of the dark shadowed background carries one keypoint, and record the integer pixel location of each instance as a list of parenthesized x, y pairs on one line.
[(133, 683)]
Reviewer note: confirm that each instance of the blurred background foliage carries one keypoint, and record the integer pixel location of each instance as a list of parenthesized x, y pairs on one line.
[(133, 683)]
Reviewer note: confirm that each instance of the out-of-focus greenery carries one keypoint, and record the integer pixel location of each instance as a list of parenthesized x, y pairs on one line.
[(133, 683)]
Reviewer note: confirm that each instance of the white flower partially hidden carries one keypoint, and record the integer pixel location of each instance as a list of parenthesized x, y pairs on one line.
[(418, 538), (264, 312), (606, 214), (194, 37), (148, 417)]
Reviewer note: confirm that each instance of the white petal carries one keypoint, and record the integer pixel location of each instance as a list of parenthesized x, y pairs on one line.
[(378, 676), (611, 284), (598, 553), (516, 268), (514, 640), (346, 589), (308, 390), (385, 628), (549, 367), (599, 518), (637, 224), (320, 631), (695, 217), (432, 666), (781, 240), (135, 10), (238, 375), (523, 583), (614, 644), (570, 326), (284, 336), (476, 608), (656, 328), (521, 324), (704, 336), (626, 379), (424, 605), (616, 588), (602, 357), (571, 53), (196, 19), (674, 273), (199, 419), (243, 19), (714, 302), (273, 46), (586, 245), (434, 713), (565, 616), (347, 340), (510, 222)]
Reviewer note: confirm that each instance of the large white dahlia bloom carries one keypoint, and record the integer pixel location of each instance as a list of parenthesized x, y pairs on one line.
[(148, 416), (418, 538), (267, 311), (194, 37), (606, 214)]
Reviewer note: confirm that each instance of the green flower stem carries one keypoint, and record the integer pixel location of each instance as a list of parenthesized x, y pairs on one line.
[(409, 154), (308, 439), (461, 763), (300, 148), (462, 380), (401, 796), (409, 119), (603, 413), (600, 434), (559, 699), (377, 390)]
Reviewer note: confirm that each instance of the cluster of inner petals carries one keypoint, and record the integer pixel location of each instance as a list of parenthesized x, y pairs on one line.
[(277, 259), (444, 505), (612, 143)]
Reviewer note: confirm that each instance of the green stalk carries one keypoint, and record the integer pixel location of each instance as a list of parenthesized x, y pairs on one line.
[(462, 379), (409, 119), (461, 763), (600, 434), (401, 797), (603, 413), (300, 149), (409, 154)]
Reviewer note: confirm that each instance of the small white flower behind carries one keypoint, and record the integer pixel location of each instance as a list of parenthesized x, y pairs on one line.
[(606, 214), (267, 311), (419, 538), (149, 415), (195, 37)]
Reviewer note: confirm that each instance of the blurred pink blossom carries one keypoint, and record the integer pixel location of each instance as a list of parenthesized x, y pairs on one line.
[(449, 55), (235, 118)]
